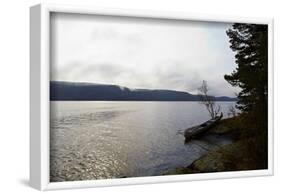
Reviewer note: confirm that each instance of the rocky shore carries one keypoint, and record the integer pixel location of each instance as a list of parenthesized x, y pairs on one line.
[(248, 151)]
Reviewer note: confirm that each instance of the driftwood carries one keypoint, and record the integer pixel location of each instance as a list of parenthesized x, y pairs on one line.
[(197, 130)]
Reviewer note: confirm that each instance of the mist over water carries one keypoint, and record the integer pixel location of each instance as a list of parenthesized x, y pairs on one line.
[(99, 140)]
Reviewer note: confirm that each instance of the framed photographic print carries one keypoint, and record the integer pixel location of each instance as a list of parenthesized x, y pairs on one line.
[(133, 97)]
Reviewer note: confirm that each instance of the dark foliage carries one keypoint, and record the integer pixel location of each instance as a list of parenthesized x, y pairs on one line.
[(250, 43)]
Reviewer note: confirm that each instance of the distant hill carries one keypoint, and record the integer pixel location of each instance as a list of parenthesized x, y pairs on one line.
[(76, 91)]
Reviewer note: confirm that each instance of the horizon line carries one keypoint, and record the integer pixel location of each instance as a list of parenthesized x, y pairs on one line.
[(121, 86)]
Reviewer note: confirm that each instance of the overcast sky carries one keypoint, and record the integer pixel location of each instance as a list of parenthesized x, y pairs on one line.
[(141, 53)]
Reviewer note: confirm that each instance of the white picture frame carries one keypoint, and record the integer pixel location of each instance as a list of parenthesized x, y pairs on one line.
[(39, 101)]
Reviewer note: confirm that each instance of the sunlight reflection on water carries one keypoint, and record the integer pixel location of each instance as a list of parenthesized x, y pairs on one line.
[(98, 140)]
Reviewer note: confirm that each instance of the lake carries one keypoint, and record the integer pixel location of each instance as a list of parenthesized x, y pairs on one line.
[(100, 140)]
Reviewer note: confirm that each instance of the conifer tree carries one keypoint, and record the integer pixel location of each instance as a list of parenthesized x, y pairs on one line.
[(250, 44)]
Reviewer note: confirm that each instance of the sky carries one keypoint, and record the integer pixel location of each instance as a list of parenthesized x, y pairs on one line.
[(141, 52)]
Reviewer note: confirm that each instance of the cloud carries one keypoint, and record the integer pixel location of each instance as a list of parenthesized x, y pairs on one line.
[(141, 53)]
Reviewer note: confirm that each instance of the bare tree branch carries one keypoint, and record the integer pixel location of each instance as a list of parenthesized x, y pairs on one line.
[(208, 100), (232, 111)]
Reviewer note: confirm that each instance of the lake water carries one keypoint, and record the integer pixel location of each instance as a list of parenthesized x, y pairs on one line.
[(98, 140)]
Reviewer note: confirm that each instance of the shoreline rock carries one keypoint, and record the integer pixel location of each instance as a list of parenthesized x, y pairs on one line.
[(246, 152)]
